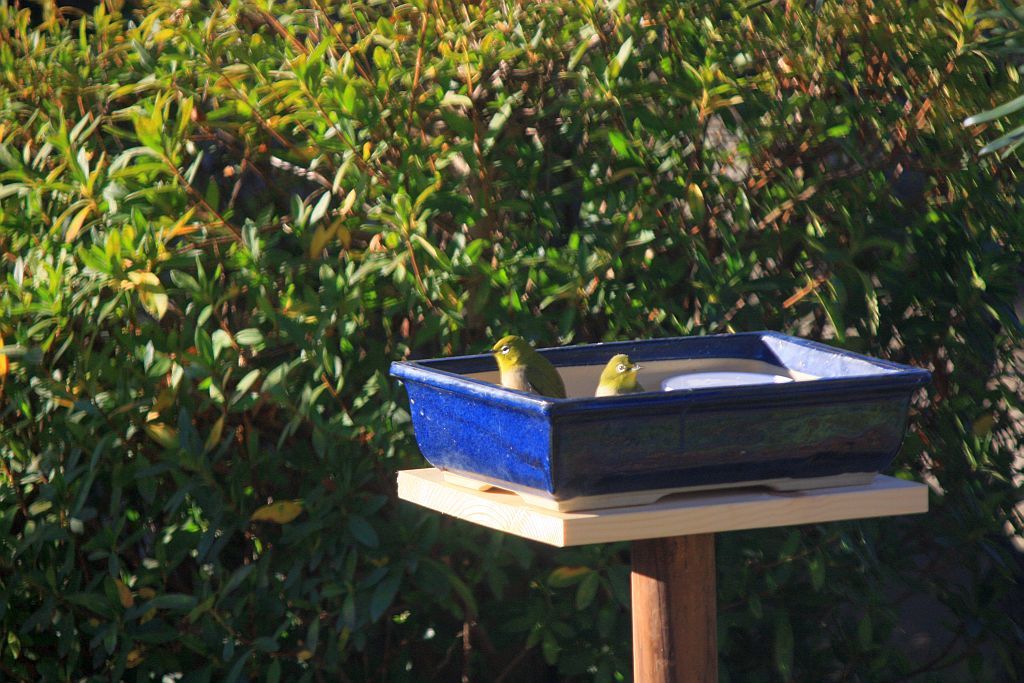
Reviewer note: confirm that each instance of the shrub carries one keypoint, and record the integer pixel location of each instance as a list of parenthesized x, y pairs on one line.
[(221, 222)]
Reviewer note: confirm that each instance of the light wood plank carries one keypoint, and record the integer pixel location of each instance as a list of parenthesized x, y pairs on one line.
[(536, 498), (677, 515)]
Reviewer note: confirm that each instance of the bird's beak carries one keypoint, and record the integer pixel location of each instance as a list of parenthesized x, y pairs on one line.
[(636, 367)]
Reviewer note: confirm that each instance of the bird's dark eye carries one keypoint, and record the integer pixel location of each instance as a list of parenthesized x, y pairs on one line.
[(504, 349), (621, 368)]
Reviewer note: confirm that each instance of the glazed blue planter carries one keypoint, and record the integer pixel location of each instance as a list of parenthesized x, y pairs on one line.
[(841, 421)]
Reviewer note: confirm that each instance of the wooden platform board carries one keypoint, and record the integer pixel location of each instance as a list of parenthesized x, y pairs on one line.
[(634, 498), (677, 515)]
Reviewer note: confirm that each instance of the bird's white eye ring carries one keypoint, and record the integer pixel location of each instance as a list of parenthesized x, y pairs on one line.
[(505, 349), (621, 368)]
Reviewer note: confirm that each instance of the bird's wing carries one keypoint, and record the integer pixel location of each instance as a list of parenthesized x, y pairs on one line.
[(545, 380)]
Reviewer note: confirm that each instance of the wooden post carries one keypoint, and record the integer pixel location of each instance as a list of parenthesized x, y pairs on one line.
[(674, 610)]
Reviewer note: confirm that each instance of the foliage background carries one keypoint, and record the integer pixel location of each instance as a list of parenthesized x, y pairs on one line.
[(221, 221)]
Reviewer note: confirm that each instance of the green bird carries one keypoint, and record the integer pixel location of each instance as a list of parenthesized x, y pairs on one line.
[(619, 377), (524, 369)]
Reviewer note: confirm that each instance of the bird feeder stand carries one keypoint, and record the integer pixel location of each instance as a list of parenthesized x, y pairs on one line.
[(673, 548)]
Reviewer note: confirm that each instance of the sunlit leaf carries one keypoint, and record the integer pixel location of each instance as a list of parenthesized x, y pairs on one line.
[(75, 226), (321, 236), (161, 433), (280, 512), (452, 99), (618, 143), (124, 594), (250, 336), (320, 209), (1012, 138), (134, 658), (4, 363), (620, 58), (1002, 110), (695, 200), (151, 292), (213, 438), (566, 576)]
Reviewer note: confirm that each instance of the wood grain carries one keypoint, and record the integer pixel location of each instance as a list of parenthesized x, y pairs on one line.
[(536, 498), (674, 610), (677, 515)]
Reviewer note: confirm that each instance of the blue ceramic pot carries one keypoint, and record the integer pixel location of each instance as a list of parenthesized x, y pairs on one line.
[(844, 414)]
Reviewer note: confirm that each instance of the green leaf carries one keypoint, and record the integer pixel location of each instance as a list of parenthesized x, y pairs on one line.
[(782, 647), (620, 59), (587, 590), (577, 54), (499, 120), (172, 602), (201, 609), (998, 112), (383, 595), (204, 345), (550, 648), (175, 602), (840, 131), (381, 57), (320, 210), (274, 671), (816, 567), (245, 384), (313, 634), (465, 594), (185, 281), (453, 99), (567, 576), (188, 436), (151, 293), (1011, 138), (216, 431), (618, 143), (93, 602), (348, 99), (864, 631), (250, 336), (147, 130), (755, 606), (276, 377), (695, 200), (221, 340), (163, 434), (236, 579), (266, 644), (833, 310), (363, 531), (236, 670)]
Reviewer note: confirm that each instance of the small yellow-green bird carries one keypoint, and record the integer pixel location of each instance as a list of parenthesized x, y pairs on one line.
[(619, 377), (524, 369)]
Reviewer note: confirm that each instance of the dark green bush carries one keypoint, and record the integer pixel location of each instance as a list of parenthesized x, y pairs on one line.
[(221, 221)]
